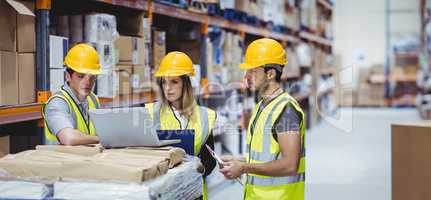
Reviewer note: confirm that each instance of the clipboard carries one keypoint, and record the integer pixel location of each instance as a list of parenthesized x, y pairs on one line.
[(187, 137)]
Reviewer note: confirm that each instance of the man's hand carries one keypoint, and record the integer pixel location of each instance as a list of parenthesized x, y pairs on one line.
[(232, 169)]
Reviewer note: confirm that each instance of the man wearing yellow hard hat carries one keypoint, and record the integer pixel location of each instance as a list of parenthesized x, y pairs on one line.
[(66, 113), (274, 165), (178, 109)]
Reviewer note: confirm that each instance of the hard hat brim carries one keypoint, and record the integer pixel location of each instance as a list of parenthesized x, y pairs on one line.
[(246, 66), (173, 73), (86, 71)]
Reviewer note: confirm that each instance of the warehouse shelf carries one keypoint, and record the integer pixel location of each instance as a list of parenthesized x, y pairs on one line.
[(290, 76), (325, 92), (315, 38), (217, 21), (406, 55), (327, 70), (180, 13), (134, 4), (128, 100), (20, 113), (325, 4), (28, 112)]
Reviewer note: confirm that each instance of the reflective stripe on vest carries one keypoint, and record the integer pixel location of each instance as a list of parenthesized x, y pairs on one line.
[(255, 180), (262, 147), (202, 128), (80, 123)]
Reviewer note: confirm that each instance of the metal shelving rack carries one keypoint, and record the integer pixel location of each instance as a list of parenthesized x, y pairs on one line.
[(12, 115)]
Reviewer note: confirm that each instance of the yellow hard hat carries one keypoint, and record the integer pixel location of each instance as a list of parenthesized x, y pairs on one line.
[(83, 58), (262, 52), (175, 64)]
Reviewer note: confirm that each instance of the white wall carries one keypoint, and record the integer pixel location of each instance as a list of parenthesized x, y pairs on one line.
[(359, 31)]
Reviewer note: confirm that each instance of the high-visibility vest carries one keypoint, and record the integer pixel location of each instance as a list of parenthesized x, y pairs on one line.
[(202, 122), (262, 147), (80, 123)]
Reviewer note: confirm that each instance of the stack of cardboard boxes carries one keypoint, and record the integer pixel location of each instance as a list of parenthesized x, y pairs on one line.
[(17, 53), (370, 90), (134, 63), (232, 57), (58, 47), (17, 57), (309, 14)]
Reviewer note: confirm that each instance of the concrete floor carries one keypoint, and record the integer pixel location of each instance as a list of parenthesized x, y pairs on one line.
[(348, 157)]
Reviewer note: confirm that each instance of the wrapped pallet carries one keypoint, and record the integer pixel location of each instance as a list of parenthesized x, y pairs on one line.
[(107, 166), (19, 189), (182, 182)]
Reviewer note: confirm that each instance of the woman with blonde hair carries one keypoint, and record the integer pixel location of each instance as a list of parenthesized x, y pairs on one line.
[(178, 109)]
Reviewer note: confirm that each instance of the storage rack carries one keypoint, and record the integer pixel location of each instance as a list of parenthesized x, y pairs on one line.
[(15, 114)]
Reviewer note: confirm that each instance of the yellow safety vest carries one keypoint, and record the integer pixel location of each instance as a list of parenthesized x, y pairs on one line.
[(81, 124), (262, 148), (202, 122)]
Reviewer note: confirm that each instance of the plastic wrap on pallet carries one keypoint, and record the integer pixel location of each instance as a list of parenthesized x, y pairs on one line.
[(76, 29), (181, 182), (24, 190), (100, 190), (100, 28)]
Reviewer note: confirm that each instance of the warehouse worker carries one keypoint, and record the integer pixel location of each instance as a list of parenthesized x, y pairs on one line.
[(275, 161), (178, 109), (67, 120)]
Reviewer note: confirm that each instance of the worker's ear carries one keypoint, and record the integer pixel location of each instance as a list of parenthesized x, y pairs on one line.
[(270, 74), (67, 76)]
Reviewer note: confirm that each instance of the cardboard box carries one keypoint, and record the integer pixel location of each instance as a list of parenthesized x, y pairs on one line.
[(17, 23), (8, 78), (131, 50), (141, 78), (56, 76), (107, 84), (4, 145), (108, 57), (125, 73), (131, 23), (58, 47), (108, 166), (410, 167), (173, 154), (100, 28), (27, 78), (87, 150), (242, 5), (159, 47)]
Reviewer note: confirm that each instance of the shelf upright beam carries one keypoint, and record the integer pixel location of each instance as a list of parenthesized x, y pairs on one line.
[(42, 57), (42, 50), (203, 59)]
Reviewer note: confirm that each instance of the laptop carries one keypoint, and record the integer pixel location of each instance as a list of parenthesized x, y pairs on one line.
[(126, 127)]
